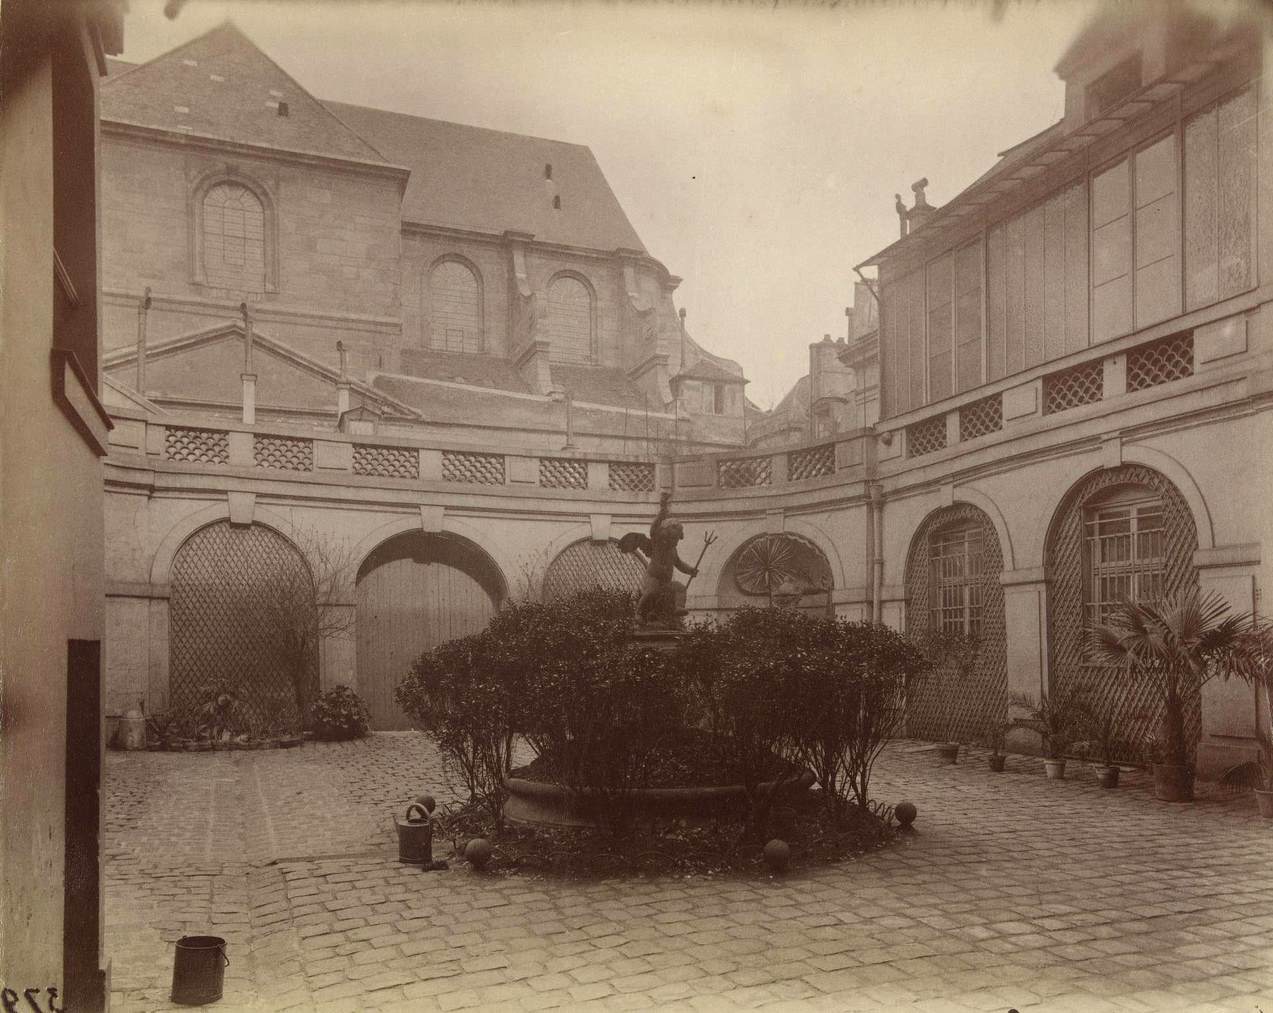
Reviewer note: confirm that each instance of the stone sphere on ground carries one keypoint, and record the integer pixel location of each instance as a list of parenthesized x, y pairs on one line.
[(478, 852), (428, 801), (906, 813), (777, 854)]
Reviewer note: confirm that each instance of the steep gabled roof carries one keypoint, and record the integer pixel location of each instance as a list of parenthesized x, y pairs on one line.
[(220, 85), (490, 181)]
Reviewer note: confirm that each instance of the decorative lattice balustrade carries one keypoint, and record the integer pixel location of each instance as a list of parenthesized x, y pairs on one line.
[(472, 468), (631, 476), (744, 473), (1083, 384), (811, 462), (563, 473), (926, 437), (386, 462), (197, 446), (1160, 362), (981, 417), (284, 453)]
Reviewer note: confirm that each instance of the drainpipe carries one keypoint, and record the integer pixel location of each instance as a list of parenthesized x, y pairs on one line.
[(875, 524), (143, 308)]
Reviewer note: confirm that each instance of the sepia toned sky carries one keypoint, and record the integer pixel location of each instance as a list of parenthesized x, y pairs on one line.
[(756, 149)]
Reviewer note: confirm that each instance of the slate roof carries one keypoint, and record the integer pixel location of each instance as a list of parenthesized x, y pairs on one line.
[(706, 369), (220, 85), (490, 181), (605, 385), (456, 367)]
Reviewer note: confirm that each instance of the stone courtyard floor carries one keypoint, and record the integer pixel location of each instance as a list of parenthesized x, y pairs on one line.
[(1016, 893)]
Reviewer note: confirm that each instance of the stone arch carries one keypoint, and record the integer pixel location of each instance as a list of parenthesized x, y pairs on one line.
[(587, 563), (161, 564), (984, 503), (733, 538), (1067, 561), (230, 585), (450, 525), (430, 307), (952, 576), (269, 240), (415, 590), (566, 309), (781, 562)]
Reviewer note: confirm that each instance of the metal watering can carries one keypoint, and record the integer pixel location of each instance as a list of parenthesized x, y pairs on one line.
[(415, 836)]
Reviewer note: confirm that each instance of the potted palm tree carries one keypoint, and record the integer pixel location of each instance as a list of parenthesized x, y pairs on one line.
[(1055, 718), (1177, 644), (1252, 660), (1101, 727), (993, 732)]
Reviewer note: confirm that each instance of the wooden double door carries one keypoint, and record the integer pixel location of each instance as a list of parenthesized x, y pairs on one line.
[(414, 592)]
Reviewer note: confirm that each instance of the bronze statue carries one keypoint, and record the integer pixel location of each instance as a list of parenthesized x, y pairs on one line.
[(662, 603)]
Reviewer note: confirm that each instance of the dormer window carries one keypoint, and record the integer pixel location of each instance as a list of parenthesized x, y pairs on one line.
[(1116, 84)]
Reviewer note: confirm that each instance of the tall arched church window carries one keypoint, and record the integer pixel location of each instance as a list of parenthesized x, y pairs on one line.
[(234, 238), (570, 320), (455, 304), (956, 559)]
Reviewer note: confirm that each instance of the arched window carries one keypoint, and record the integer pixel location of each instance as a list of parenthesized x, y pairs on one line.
[(234, 238), (455, 308), (570, 320), (956, 559), (1123, 554)]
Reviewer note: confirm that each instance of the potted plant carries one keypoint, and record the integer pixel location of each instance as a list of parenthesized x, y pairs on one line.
[(993, 732), (1177, 644), (952, 659), (1100, 726), (1055, 718), (1252, 659)]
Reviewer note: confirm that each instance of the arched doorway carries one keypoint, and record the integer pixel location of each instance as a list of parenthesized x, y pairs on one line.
[(587, 564), (219, 630), (952, 583), (1123, 532), (416, 591)]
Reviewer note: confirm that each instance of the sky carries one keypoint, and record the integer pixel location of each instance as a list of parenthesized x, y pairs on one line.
[(755, 149)]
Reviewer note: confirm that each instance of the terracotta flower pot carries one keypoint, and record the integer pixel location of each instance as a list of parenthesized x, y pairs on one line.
[(1107, 777), (996, 761), (1173, 783), (1264, 799), (1055, 769)]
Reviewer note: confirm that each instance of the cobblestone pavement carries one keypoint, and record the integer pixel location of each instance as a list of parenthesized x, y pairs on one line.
[(1016, 892)]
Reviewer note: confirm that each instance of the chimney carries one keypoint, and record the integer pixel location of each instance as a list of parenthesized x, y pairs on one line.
[(922, 210)]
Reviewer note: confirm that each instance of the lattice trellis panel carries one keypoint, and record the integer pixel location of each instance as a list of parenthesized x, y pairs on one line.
[(744, 473), (588, 564), (1134, 700), (981, 417), (286, 453), (984, 695), (386, 462), (926, 437), (563, 473), (1078, 386), (199, 446), (631, 476), (474, 469), (811, 462), (226, 583), (1160, 362)]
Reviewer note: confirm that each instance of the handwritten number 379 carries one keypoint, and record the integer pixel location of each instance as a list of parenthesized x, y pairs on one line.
[(9, 1000)]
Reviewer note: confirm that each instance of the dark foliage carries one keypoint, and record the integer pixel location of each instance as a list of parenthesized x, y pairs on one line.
[(339, 715)]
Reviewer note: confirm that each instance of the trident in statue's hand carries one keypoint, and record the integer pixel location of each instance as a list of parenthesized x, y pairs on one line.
[(708, 538)]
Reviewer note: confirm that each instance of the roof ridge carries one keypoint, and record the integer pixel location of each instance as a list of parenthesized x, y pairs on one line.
[(454, 123)]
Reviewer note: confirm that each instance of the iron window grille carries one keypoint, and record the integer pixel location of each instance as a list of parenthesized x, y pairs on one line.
[(1084, 384), (926, 437), (981, 417), (1160, 362)]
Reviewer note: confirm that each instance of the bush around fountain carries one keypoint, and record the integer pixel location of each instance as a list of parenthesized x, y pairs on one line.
[(683, 759)]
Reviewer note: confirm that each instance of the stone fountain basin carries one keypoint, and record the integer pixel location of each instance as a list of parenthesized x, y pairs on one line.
[(548, 804)]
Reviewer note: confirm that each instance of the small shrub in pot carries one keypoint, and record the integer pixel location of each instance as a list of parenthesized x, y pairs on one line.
[(339, 715)]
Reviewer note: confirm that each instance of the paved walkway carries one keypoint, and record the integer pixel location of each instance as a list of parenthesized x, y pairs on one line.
[(1016, 893)]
